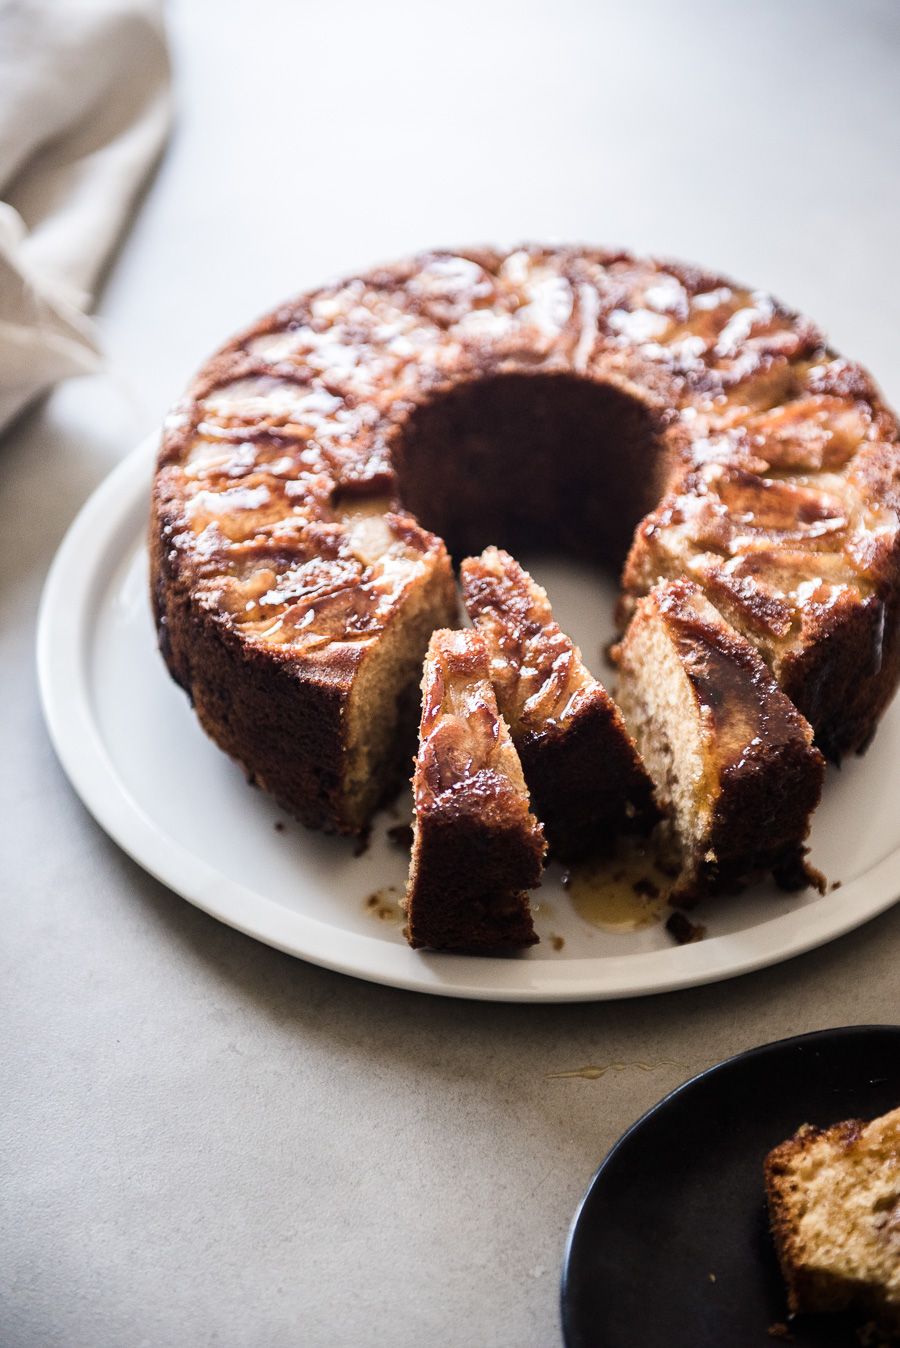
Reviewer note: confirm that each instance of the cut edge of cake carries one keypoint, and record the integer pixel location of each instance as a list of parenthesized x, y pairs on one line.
[(734, 768)]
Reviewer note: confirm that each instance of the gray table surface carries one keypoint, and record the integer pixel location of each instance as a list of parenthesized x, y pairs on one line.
[(205, 1141)]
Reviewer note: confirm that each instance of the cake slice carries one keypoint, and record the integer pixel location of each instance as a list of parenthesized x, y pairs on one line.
[(477, 847), (834, 1204), (732, 761), (582, 768)]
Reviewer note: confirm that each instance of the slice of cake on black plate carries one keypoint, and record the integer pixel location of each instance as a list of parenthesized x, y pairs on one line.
[(834, 1203)]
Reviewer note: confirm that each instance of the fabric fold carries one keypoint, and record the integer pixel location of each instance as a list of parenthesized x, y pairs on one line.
[(84, 113)]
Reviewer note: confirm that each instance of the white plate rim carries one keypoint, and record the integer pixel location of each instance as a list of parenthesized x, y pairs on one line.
[(63, 638)]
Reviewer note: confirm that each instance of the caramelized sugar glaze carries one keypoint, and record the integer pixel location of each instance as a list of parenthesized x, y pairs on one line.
[(555, 397)]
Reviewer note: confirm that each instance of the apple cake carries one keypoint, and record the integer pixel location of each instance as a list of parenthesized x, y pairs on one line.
[(327, 463)]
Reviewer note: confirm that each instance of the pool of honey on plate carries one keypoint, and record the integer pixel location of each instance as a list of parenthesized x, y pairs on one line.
[(621, 893)]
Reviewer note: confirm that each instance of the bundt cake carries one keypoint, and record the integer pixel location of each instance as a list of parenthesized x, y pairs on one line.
[(732, 761), (476, 845), (540, 396), (834, 1204), (584, 775)]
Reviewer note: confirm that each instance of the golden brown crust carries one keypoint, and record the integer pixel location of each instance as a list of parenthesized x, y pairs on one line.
[(379, 390), (477, 847), (583, 771)]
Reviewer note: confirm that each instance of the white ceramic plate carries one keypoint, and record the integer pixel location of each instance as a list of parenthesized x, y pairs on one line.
[(137, 757)]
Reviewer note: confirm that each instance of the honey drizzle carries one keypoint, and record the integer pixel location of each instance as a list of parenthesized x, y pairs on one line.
[(593, 1072), (620, 894)]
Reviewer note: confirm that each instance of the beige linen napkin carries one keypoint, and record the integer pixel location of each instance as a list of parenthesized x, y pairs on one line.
[(84, 110)]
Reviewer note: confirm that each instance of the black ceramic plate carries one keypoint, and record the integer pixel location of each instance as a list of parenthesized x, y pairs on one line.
[(670, 1247)]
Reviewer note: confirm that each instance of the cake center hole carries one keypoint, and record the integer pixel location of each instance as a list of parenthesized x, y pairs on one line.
[(536, 462)]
